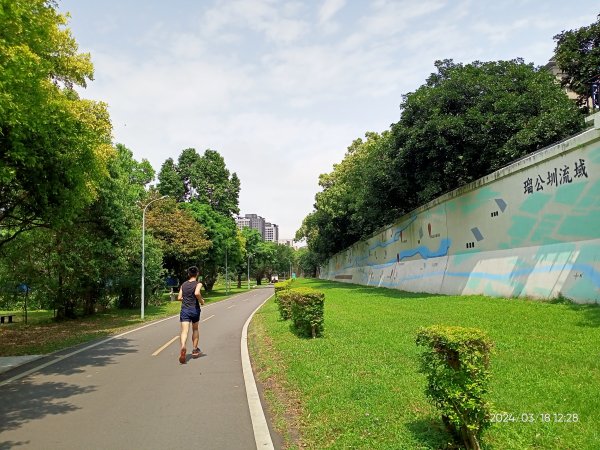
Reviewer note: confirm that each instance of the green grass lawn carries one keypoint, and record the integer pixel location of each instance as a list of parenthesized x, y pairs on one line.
[(42, 335), (359, 386)]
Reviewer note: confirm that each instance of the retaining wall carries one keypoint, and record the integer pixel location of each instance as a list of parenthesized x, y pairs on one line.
[(531, 229)]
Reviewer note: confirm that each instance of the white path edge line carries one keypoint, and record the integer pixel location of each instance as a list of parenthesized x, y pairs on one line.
[(165, 346), (262, 436), (68, 355)]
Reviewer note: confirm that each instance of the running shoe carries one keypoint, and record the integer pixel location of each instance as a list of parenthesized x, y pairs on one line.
[(182, 356)]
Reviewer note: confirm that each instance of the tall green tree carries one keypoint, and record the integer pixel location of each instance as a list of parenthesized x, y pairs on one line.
[(235, 256), (307, 262), (221, 230), (54, 146), (263, 261), (252, 241), (463, 123), (87, 262), (354, 200), (182, 239), (285, 259), (206, 189), (203, 178), (577, 54), (470, 120)]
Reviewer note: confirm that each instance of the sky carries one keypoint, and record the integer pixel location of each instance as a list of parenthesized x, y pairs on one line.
[(281, 88)]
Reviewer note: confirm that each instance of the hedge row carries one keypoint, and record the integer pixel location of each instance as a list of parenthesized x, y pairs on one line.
[(455, 361), (304, 306)]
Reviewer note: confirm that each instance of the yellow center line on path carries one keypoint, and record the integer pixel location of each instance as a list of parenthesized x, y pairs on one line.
[(165, 346), (209, 317)]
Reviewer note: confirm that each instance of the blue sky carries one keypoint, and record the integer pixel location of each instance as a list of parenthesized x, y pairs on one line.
[(281, 88)]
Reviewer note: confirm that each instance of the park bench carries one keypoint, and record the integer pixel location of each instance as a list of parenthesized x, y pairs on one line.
[(8, 316)]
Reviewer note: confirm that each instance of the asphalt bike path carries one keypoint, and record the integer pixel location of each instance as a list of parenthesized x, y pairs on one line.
[(131, 392)]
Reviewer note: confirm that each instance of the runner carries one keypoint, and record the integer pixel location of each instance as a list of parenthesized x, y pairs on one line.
[(191, 299)]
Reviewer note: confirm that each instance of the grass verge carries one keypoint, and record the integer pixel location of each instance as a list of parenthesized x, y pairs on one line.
[(42, 335), (359, 386)]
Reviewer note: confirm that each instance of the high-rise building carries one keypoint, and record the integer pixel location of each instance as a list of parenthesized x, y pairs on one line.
[(242, 222), (252, 221), (271, 232)]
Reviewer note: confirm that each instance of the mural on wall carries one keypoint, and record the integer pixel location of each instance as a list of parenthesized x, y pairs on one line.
[(531, 229)]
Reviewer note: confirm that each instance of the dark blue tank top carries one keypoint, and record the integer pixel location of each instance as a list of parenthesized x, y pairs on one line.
[(189, 299)]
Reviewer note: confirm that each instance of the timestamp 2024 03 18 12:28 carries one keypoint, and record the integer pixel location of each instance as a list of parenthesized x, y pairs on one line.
[(534, 417)]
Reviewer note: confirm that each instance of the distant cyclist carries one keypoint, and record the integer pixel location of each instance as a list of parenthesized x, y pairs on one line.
[(191, 299)]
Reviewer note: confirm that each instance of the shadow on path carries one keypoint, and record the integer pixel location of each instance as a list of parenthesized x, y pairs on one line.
[(31, 398)]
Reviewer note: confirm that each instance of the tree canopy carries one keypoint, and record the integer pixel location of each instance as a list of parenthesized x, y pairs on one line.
[(208, 192), (577, 54), (54, 146), (182, 239), (204, 178), (466, 121)]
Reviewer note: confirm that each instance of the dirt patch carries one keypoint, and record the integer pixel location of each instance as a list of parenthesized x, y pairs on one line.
[(38, 339)]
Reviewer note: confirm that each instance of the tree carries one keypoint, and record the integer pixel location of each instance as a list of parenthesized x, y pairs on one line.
[(577, 54), (182, 239), (221, 231), (94, 258), (470, 120), (252, 240), (236, 253), (465, 122), (202, 178), (285, 258), (263, 261), (323, 238), (54, 146), (354, 200), (100, 244), (307, 262), (206, 189)]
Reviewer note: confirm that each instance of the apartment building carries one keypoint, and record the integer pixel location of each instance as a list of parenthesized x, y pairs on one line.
[(271, 232)]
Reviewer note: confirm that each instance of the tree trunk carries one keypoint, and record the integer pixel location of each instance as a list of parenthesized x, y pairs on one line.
[(239, 281), (90, 301)]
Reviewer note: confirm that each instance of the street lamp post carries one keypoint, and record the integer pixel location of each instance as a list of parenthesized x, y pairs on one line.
[(248, 271), (226, 273), (144, 249)]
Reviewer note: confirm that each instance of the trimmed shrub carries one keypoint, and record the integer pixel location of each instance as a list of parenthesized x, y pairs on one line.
[(307, 311), (283, 298), (456, 363), (284, 302), (283, 285)]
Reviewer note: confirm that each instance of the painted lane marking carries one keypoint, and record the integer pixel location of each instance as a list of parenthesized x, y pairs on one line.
[(262, 436), (209, 317), (165, 346), (231, 306)]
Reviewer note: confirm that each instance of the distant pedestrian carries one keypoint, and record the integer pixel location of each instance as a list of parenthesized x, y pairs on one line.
[(191, 299)]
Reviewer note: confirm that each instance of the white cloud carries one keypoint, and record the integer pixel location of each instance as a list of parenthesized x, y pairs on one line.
[(281, 88), (263, 16), (329, 9), (393, 17)]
